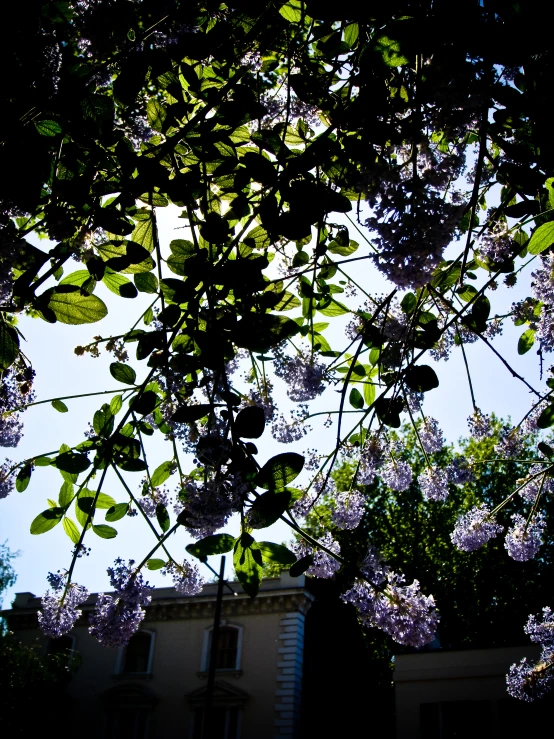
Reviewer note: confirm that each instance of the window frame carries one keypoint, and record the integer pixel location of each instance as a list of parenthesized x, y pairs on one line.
[(121, 653), (205, 664)]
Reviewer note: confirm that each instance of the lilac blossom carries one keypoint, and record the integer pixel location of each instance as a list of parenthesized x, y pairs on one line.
[(371, 460), (15, 393), (286, 432), (537, 482), (511, 442), (397, 475), (528, 681), (523, 539), (7, 479), (117, 617), (324, 565), (187, 579), (384, 601), (480, 425), (459, 473), (151, 499), (497, 244), (209, 506), (349, 509), (431, 436), (304, 379), (474, 529), (434, 484), (60, 611)]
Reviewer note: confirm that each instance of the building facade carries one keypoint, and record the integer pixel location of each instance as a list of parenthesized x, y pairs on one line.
[(156, 686), (451, 694)]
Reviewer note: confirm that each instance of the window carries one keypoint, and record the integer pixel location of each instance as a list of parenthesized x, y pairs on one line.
[(225, 723), (228, 648), (136, 657)]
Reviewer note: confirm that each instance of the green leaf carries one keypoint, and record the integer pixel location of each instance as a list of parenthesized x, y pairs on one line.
[(72, 462), (268, 508), (116, 404), (259, 332), (247, 559), (279, 471), (146, 282), (104, 501), (70, 306), (546, 418), (144, 234), (120, 285), (162, 473), (9, 345), (250, 422), (369, 393), (23, 478), (163, 517), (421, 378), (155, 564), (542, 238), (46, 520), (546, 449), (301, 565), (216, 544), (190, 413), (103, 421), (156, 114), (288, 301), (48, 128), (526, 341), (276, 553), (345, 250), (71, 530), (117, 511), (351, 33), (332, 308), (105, 532), (60, 406), (408, 304), (144, 403), (355, 398), (66, 494), (123, 373), (292, 11)]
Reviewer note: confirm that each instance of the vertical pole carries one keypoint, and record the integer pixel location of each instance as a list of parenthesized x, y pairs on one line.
[(208, 726)]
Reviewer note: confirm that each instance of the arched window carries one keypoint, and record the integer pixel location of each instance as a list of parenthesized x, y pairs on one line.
[(136, 657), (228, 648)]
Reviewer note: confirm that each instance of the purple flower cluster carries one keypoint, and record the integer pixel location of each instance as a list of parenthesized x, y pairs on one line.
[(150, 499), (523, 539), (543, 482), (60, 612), (7, 480), (497, 245), (349, 509), (459, 473), (305, 380), (474, 529), (528, 681), (434, 484), (186, 577), (117, 617), (371, 460), (15, 393), (209, 506), (385, 602), (479, 425), (286, 432), (397, 475), (324, 565), (511, 442), (432, 438)]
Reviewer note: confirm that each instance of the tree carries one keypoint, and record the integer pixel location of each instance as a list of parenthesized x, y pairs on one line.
[(268, 124)]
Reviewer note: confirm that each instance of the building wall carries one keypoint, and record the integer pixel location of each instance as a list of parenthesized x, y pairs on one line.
[(266, 687), (443, 695)]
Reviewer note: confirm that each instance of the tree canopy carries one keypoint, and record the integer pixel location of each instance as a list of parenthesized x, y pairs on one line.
[(280, 130)]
